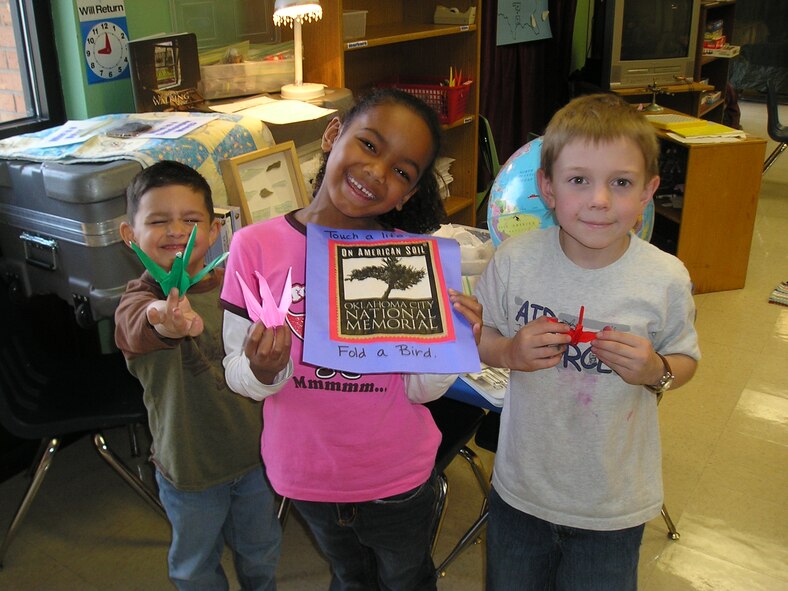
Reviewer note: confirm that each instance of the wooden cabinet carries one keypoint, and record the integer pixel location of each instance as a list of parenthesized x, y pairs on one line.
[(402, 43), (710, 68), (712, 231)]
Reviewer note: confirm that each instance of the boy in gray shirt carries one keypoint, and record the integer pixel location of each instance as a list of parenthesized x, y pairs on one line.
[(594, 323)]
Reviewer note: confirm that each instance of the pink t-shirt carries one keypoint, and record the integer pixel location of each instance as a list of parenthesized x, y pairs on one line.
[(328, 436)]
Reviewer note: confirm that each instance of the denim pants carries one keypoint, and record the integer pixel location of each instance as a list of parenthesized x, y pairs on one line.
[(240, 513), (377, 545), (525, 553)]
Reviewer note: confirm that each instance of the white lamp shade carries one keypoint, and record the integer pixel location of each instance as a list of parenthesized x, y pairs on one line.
[(300, 11)]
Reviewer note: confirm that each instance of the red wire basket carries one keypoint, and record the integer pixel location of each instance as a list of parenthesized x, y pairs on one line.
[(448, 101)]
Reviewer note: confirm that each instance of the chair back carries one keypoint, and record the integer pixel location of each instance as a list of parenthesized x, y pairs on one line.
[(489, 155), (773, 126), (457, 423), (51, 387)]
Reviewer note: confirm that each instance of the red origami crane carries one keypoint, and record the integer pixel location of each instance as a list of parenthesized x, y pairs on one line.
[(576, 332)]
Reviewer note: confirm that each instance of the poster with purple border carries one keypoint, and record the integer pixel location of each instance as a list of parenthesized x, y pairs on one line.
[(378, 302)]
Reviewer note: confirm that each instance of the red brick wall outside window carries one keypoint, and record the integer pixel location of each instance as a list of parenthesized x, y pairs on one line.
[(12, 96)]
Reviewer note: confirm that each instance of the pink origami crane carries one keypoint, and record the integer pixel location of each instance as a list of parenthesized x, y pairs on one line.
[(266, 310), (577, 333)]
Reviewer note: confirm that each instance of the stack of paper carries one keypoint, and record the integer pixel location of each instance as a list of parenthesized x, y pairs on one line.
[(707, 132), (708, 129), (279, 112), (672, 121), (490, 382), (442, 173)]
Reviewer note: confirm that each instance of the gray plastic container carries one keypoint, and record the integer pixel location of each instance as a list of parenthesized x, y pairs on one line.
[(59, 232)]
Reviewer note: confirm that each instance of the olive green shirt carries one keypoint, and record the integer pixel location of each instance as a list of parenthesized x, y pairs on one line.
[(203, 433)]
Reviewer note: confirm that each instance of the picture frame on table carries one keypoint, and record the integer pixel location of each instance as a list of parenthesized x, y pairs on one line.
[(265, 183)]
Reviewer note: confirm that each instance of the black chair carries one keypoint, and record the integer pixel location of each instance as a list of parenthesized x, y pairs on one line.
[(47, 397), (458, 423), (777, 131), (486, 437), (489, 154)]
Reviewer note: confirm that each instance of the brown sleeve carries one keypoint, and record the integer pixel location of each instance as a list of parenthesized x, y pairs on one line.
[(134, 335)]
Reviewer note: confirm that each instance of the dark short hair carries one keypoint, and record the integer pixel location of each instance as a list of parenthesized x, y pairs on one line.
[(164, 174)]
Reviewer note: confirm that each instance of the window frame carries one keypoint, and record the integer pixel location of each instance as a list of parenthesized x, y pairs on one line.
[(34, 34)]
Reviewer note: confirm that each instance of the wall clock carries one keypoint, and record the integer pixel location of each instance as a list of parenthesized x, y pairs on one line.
[(106, 51)]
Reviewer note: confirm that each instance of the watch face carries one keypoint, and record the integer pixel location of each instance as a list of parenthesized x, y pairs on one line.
[(107, 50)]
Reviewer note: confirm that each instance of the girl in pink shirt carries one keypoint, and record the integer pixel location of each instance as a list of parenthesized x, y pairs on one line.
[(354, 452)]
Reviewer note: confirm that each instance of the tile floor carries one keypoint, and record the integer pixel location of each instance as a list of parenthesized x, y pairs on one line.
[(725, 447)]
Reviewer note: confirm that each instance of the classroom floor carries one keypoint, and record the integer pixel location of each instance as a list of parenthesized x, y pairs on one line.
[(725, 456)]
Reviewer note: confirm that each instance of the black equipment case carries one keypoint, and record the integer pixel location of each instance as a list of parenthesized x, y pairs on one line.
[(59, 232)]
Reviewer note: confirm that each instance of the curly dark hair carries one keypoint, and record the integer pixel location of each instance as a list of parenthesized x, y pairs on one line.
[(423, 212)]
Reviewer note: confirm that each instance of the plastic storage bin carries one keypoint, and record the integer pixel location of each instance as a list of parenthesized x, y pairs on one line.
[(354, 24), (448, 101), (228, 80)]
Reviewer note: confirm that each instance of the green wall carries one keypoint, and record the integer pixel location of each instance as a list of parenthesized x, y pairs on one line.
[(144, 17)]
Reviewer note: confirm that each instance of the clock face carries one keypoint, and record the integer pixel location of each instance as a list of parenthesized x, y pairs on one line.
[(107, 50)]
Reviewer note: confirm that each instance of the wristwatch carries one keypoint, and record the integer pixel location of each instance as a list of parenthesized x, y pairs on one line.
[(665, 381)]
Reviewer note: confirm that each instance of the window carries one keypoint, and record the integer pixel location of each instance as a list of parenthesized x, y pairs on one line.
[(30, 94)]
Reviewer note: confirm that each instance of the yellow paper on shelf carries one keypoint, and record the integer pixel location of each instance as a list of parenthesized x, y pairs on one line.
[(708, 129), (673, 121)]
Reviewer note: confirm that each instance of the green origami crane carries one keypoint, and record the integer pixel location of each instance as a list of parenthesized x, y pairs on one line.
[(178, 277)]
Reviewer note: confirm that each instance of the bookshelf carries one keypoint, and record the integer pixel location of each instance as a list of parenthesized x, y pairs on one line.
[(711, 68), (401, 42)]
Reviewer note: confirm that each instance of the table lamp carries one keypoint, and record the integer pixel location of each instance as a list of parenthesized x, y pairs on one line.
[(294, 13)]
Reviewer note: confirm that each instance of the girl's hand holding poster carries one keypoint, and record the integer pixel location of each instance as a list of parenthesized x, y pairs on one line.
[(378, 303)]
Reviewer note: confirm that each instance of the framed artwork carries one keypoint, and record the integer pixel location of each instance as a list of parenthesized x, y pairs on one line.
[(265, 183)]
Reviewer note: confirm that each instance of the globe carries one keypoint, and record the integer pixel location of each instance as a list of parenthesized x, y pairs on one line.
[(516, 206)]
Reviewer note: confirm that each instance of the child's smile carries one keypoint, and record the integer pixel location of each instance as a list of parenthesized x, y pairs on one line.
[(373, 167), (164, 221), (362, 191)]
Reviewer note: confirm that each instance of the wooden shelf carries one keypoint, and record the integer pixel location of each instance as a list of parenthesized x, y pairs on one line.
[(672, 88), (388, 34), (703, 109), (464, 120), (670, 213), (455, 205), (400, 43)]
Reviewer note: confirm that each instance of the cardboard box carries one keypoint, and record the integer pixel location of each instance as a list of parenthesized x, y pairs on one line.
[(727, 51), (718, 43), (452, 16)]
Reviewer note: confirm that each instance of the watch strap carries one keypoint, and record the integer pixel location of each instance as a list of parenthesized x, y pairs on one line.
[(665, 381)]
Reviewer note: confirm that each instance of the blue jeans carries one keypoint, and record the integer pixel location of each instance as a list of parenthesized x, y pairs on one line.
[(240, 513), (525, 553), (382, 544)]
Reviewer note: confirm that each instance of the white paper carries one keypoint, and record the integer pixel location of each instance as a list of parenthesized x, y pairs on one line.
[(285, 111), (707, 139), (174, 127), (491, 383), (236, 106), (71, 132)]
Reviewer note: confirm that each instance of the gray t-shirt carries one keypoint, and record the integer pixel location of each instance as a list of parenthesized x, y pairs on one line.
[(578, 445)]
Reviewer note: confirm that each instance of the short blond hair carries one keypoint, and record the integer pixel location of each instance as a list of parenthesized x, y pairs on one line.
[(599, 118)]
